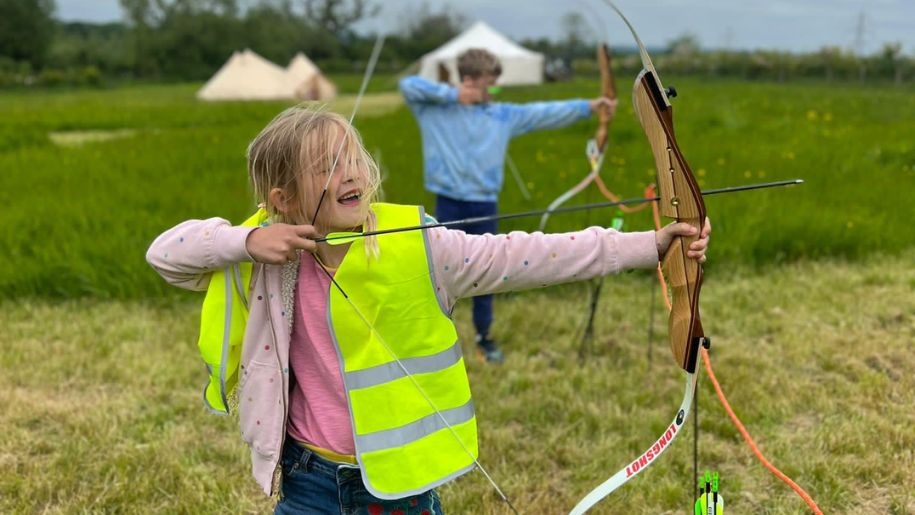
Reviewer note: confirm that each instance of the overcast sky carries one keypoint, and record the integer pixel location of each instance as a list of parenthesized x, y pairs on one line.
[(795, 25)]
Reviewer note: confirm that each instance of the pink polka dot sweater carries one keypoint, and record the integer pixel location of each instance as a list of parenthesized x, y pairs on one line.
[(287, 323)]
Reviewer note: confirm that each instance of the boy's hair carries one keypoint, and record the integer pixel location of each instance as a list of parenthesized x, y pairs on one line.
[(476, 62), (301, 141)]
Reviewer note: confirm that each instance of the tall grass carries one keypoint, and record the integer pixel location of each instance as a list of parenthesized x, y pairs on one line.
[(77, 219)]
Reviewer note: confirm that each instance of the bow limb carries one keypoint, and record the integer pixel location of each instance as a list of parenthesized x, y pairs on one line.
[(369, 70), (561, 199), (608, 90), (598, 144), (646, 458), (682, 201)]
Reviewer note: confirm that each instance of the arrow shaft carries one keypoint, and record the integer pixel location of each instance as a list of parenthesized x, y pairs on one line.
[(567, 209)]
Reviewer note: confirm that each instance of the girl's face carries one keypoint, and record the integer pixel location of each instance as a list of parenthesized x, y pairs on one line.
[(343, 207)]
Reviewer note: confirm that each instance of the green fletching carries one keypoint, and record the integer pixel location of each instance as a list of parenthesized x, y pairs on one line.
[(617, 222), (339, 238)]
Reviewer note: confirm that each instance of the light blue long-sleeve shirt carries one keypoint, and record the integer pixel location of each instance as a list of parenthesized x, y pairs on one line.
[(464, 146)]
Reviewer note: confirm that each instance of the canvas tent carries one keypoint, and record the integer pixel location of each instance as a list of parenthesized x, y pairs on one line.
[(308, 81), (519, 65), (248, 76)]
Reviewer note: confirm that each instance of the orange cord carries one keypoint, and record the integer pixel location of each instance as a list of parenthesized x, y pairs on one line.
[(650, 193), (746, 436), (612, 197)]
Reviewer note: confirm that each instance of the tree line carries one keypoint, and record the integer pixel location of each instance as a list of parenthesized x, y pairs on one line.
[(188, 40)]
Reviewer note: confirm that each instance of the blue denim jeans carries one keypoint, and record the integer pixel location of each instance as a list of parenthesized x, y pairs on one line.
[(313, 485), (448, 209)]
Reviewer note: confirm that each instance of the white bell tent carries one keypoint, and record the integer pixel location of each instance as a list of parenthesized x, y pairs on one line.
[(248, 76), (310, 83)]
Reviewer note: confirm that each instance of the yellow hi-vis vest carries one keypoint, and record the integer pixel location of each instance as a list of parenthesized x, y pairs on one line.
[(412, 431), (222, 327)]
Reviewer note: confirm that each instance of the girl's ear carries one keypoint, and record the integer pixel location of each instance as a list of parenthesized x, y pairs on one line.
[(278, 198)]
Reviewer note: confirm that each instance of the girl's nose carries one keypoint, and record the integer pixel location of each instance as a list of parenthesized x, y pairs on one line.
[(348, 173)]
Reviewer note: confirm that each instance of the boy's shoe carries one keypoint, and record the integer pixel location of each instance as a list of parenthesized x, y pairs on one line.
[(489, 351)]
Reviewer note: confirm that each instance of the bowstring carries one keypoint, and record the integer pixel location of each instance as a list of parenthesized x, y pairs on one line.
[(376, 52)]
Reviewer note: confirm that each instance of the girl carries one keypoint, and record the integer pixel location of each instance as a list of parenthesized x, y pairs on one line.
[(352, 392)]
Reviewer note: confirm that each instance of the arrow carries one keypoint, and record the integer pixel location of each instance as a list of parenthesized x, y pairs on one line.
[(340, 238)]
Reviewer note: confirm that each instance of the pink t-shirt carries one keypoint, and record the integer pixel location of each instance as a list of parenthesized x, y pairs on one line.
[(465, 265)]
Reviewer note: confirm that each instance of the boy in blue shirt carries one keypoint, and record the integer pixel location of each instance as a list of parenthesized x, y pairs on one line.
[(465, 138)]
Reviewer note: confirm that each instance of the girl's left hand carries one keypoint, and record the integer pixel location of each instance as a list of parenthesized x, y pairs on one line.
[(696, 249)]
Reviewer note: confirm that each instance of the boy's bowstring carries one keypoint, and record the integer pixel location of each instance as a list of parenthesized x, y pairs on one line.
[(595, 147)]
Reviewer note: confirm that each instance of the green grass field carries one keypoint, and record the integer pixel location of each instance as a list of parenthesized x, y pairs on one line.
[(809, 299), (170, 158)]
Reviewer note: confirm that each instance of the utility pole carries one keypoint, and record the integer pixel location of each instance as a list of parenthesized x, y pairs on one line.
[(859, 44)]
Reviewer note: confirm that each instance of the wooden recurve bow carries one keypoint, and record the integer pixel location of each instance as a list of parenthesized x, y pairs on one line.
[(681, 200)]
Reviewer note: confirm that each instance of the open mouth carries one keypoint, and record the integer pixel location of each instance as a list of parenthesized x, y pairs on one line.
[(349, 199)]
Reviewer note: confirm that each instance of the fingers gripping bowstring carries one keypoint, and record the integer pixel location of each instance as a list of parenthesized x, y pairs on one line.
[(376, 52)]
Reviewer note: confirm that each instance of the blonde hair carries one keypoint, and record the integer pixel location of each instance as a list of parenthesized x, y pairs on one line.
[(303, 141), (475, 62)]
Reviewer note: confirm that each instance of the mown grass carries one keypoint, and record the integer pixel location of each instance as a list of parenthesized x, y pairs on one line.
[(101, 409), (77, 218), (808, 298)]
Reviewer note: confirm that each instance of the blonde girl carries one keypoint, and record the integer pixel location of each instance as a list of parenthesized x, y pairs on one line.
[(352, 390)]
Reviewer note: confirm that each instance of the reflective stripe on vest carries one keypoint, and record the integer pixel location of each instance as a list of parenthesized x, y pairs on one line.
[(402, 442), (222, 328)]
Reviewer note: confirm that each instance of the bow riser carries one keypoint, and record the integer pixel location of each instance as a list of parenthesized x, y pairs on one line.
[(685, 330), (681, 200)]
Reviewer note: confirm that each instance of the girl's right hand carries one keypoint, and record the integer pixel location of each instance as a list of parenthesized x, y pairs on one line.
[(280, 243)]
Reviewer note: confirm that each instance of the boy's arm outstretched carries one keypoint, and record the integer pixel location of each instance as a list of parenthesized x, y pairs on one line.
[(535, 116)]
